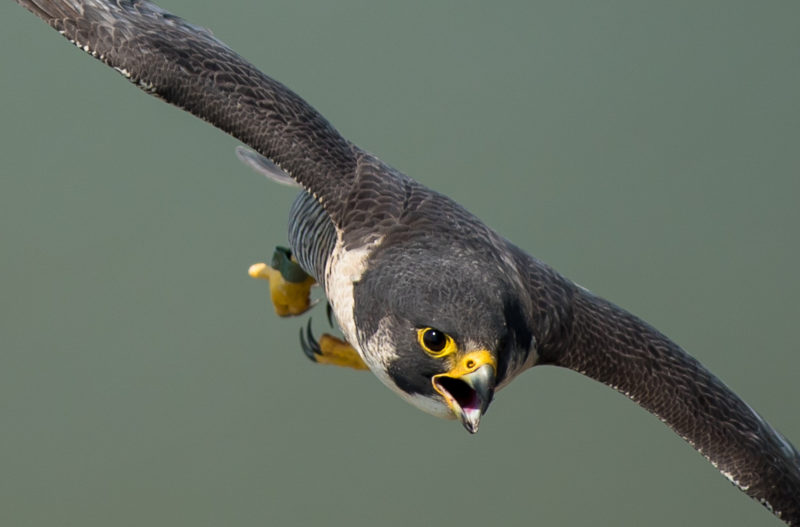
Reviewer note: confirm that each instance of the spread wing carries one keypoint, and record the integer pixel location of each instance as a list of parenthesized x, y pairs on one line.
[(577, 330), (187, 66)]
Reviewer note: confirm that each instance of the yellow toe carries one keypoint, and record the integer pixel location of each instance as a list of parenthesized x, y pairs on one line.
[(259, 270)]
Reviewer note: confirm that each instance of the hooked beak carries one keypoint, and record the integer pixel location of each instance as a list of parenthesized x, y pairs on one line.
[(468, 387)]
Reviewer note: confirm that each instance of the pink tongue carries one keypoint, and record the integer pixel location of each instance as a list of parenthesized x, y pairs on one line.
[(473, 403)]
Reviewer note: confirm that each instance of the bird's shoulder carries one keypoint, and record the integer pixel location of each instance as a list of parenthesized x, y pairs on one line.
[(383, 202)]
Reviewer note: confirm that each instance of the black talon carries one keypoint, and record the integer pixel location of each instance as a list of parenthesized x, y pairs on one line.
[(308, 343), (329, 312)]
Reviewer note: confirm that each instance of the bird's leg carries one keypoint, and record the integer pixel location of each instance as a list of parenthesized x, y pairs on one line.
[(330, 350), (289, 285), (290, 288)]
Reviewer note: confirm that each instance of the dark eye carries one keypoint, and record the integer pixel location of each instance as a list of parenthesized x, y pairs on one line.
[(435, 342)]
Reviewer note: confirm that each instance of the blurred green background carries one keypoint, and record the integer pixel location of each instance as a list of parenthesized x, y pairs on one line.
[(648, 150)]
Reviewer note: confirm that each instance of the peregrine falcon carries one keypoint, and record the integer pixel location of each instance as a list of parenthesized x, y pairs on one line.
[(441, 308)]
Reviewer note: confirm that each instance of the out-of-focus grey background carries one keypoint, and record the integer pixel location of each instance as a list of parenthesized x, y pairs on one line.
[(648, 150)]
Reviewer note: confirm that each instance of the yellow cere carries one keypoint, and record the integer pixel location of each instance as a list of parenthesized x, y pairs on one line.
[(472, 361)]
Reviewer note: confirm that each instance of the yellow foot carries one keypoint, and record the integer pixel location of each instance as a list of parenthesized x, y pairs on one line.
[(330, 350), (289, 285)]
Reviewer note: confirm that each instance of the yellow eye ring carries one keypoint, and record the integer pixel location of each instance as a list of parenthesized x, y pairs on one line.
[(435, 343)]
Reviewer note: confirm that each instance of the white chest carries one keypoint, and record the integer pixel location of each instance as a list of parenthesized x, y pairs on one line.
[(343, 270)]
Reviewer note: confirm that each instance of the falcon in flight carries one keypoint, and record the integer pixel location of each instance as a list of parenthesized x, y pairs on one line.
[(442, 309)]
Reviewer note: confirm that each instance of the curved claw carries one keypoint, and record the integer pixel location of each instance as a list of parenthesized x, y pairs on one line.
[(329, 350), (329, 313), (308, 343)]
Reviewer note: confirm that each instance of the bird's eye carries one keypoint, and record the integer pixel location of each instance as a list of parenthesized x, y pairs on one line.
[(436, 343)]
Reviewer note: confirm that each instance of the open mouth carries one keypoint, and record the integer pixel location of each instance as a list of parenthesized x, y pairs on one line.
[(469, 395), (460, 392)]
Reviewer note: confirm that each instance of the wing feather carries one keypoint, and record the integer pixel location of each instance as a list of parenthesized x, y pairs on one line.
[(187, 66), (580, 331)]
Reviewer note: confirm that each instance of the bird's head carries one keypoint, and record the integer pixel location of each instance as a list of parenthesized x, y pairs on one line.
[(444, 330)]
